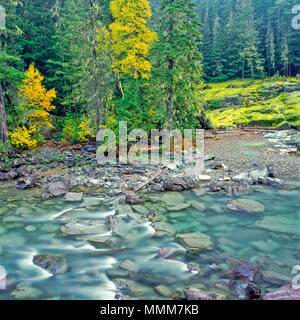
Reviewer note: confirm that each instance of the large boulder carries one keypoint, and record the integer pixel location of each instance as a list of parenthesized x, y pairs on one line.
[(180, 183), (27, 182), (56, 189), (52, 264)]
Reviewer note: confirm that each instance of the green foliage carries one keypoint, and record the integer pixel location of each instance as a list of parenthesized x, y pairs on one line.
[(74, 128)]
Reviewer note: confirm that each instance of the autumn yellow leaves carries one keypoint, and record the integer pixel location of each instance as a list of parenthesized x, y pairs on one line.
[(130, 37), (36, 104)]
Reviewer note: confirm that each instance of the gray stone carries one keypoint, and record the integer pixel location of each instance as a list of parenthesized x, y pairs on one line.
[(275, 278), (245, 205), (180, 183), (84, 227), (74, 197), (280, 224), (23, 292), (197, 294), (54, 265), (195, 242)]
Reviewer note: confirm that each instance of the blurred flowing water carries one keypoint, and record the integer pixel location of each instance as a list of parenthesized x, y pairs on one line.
[(31, 226)]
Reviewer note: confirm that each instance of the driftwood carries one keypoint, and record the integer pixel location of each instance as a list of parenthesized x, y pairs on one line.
[(149, 181)]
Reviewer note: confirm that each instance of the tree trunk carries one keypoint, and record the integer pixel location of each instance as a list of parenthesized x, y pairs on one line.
[(3, 124), (95, 76), (170, 88)]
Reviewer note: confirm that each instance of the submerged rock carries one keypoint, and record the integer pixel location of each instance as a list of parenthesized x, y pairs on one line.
[(243, 271), (241, 289), (197, 294), (279, 224), (171, 251), (163, 290), (245, 205), (83, 227), (26, 293), (287, 292), (275, 278), (53, 264), (195, 242)]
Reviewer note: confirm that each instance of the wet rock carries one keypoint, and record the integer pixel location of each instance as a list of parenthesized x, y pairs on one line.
[(163, 290), (83, 227), (243, 271), (74, 197), (287, 292), (245, 205), (195, 242), (241, 177), (256, 175), (129, 265), (241, 289), (53, 264), (243, 187), (132, 198), (199, 206), (180, 183), (179, 207), (27, 182), (215, 187), (156, 188), (197, 294), (140, 209), (11, 175), (280, 224), (24, 292), (30, 228), (275, 278), (123, 210), (91, 202), (172, 198), (129, 286), (272, 172), (112, 223), (163, 228), (56, 189), (271, 182), (263, 246)]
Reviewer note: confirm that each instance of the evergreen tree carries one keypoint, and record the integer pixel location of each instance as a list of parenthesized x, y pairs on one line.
[(178, 65)]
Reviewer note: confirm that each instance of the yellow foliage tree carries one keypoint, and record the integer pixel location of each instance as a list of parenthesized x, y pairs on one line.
[(131, 39), (36, 101)]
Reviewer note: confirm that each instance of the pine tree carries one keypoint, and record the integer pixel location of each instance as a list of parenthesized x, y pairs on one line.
[(178, 65)]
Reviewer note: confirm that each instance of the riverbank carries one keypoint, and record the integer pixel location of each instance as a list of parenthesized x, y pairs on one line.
[(232, 232)]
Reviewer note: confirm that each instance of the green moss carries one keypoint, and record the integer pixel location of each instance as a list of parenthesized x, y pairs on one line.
[(281, 111)]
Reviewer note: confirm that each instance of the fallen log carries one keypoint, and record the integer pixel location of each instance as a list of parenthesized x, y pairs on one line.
[(149, 181)]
